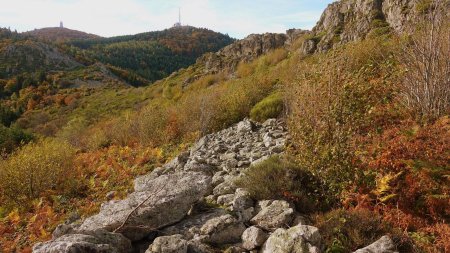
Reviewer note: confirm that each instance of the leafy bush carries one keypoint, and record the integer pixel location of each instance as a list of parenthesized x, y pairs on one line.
[(269, 107), (331, 104), (346, 231), (12, 137), (280, 178), (36, 168), (7, 115)]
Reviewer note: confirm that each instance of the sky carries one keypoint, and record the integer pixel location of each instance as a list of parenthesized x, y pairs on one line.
[(107, 18)]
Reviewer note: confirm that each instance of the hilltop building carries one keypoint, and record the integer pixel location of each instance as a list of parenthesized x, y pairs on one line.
[(61, 24)]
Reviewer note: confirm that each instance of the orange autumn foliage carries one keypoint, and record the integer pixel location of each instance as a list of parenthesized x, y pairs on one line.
[(101, 171)]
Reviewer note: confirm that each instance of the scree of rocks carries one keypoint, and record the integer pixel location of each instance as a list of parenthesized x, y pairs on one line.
[(192, 204)]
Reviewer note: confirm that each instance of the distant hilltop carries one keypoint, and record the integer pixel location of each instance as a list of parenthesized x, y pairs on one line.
[(59, 34)]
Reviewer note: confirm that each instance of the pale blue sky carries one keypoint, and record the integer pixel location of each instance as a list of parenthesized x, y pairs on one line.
[(238, 18)]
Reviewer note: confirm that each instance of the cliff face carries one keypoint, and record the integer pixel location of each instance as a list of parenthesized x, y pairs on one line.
[(399, 13), (341, 22), (246, 50), (350, 20)]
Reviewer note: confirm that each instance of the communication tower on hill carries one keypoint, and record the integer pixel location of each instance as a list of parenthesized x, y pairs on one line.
[(178, 24), (61, 24)]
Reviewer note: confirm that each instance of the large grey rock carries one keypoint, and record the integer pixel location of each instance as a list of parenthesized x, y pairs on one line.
[(178, 162), (274, 214), (169, 244), (219, 177), (159, 203), (191, 225), (298, 239), (98, 241), (227, 187), (235, 249), (245, 126), (383, 245), (63, 229), (253, 237), (196, 246), (241, 200), (222, 230), (225, 200)]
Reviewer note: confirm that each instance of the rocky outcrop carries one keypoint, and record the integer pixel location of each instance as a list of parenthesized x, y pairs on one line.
[(341, 22), (399, 14), (245, 50), (350, 20), (383, 245)]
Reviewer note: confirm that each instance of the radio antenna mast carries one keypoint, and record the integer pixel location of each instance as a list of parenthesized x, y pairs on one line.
[(178, 24)]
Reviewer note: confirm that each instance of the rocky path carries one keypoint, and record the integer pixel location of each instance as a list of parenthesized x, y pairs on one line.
[(191, 204)]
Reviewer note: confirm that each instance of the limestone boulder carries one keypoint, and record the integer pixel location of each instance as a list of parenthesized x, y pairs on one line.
[(99, 241), (159, 203), (168, 244), (384, 245), (298, 239), (274, 214)]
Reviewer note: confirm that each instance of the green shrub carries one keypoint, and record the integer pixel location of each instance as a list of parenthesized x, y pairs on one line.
[(269, 107), (345, 231), (36, 168), (12, 137), (424, 6), (280, 178)]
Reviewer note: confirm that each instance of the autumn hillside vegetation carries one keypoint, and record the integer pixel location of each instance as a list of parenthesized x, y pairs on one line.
[(368, 152)]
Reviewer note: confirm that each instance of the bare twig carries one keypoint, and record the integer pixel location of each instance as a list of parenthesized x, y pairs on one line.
[(137, 207)]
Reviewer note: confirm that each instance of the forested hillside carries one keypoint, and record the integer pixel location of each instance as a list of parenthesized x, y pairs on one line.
[(153, 55)]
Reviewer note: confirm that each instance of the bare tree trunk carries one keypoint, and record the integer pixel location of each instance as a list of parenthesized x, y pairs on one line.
[(426, 87)]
